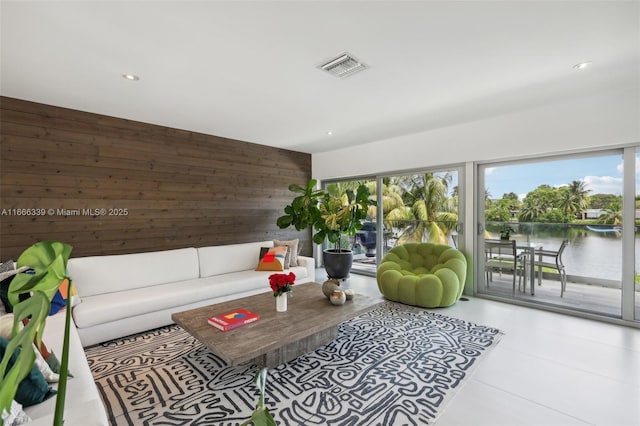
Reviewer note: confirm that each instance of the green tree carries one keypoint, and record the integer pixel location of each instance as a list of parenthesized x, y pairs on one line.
[(602, 201), (487, 198), (427, 208), (555, 216), (612, 214), (573, 198), (511, 196), (538, 202), (500, 210), (497, 214)]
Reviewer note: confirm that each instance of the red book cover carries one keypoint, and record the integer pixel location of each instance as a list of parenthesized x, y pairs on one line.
[(233, 319)]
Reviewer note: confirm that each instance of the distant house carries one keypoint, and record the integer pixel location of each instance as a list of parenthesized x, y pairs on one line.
[(591, 213), (595, 213)]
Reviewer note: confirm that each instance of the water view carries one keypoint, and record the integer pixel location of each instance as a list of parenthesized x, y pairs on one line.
[(590, 253)]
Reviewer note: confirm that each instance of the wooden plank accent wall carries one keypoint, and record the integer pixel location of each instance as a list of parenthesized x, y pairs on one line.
[(109, 186)]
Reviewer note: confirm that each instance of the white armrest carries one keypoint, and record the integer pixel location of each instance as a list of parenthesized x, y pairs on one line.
[(310, 264)]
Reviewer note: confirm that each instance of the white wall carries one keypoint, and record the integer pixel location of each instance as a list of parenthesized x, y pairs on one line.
[(609, 118)]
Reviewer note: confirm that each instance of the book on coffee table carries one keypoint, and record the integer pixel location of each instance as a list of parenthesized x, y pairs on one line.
[(233, 319)]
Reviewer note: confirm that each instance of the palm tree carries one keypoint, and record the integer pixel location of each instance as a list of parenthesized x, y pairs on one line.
[(394, 212), (430, 212), (612, 214), (391, 198), (574, 197), (531, 211), (337, 189)]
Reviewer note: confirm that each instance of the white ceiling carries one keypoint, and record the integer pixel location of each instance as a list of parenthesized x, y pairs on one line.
[(247, 70)]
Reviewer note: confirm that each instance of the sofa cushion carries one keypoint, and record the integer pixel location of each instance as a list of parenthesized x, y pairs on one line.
[(293, 250), (81, 389), (273, 259), (217, 260), (59, 300), (6, 325), (99, 309), (115, 273)]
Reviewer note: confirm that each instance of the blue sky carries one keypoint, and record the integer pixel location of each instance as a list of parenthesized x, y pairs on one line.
[(603, 175)]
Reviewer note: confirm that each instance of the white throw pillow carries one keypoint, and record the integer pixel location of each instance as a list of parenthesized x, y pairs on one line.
[(6, 324), (44, 368), (15, 416)]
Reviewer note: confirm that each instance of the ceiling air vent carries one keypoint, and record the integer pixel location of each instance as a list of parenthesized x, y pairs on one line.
[(343, 66)]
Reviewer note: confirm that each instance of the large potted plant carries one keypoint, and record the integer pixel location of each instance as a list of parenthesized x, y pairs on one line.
[(331, 217)]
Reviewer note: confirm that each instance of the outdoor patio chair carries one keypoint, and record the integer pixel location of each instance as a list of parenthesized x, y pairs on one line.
[(502, 255), (552, 259)]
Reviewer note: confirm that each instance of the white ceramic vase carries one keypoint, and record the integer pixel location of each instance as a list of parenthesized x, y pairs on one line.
[(337, 297), (281, 302)]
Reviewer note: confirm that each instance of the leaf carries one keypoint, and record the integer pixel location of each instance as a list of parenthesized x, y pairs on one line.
[(49, 261), (284, 221), (262, 417), (36, 307)]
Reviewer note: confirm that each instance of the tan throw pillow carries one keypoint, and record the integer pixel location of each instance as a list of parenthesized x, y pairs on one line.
[(293, 249), (273, 260), (6, 325)]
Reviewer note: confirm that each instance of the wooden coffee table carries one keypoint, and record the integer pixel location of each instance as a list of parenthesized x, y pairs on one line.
[(277, 337)]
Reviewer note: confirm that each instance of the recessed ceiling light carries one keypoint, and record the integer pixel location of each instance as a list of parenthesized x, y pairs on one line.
[(329, 133), (131, 77), (582, 65)]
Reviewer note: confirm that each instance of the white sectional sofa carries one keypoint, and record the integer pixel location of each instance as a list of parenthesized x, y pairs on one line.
[(83, 406), (131, 293)]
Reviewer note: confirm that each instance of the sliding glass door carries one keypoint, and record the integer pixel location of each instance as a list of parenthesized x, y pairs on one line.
[(421, 207), (416, 206), (364, 243), (565, 218)]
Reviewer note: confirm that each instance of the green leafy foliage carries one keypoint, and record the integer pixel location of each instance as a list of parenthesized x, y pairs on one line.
[(303, 212), (48, 259), (261, 415), (331, 216), (506, 230), (602, 201)]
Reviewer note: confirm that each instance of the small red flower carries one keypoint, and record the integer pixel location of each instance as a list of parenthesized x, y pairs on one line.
[(281, 283)]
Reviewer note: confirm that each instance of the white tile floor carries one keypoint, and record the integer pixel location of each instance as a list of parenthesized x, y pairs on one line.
[(548, 369)]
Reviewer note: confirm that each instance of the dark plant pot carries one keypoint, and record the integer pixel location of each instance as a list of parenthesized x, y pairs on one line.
[(502, 237), (337, 263)]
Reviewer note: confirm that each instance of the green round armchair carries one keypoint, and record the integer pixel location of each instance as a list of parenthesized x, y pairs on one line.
[(423, 274)]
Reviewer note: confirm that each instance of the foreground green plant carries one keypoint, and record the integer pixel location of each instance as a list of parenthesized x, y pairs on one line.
[(261, 415), (48, 260)]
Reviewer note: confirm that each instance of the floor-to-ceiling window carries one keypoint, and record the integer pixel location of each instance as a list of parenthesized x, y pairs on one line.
[(566, 218), (363, 244), (413, 206), (421, 207)]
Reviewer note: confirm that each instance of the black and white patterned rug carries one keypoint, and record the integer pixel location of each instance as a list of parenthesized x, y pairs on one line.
[(396, 365)]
